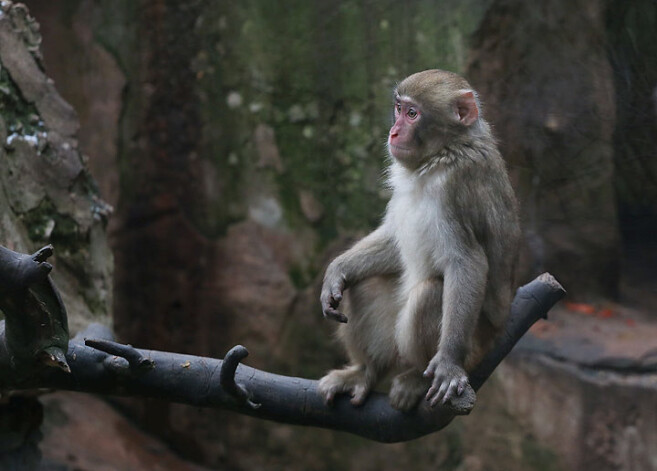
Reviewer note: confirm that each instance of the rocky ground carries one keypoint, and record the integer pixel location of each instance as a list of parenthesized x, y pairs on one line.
[(84, 433)]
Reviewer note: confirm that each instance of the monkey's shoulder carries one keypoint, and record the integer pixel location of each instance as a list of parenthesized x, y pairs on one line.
[(477, 183)]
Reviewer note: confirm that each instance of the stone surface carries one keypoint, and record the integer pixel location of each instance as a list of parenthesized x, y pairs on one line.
[(92, 82), (588, 418), (584, 383), (608, 337), (35, 86), (48, 195), (83, 433)]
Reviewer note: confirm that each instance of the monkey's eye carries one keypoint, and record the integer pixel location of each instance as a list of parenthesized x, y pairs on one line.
[(412, 113), (398, 107)]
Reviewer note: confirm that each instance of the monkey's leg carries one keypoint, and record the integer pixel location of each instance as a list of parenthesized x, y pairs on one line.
[(417, 332), (368, 338), (407, 389)]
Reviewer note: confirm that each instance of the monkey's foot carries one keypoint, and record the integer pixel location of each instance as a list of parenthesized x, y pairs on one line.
[(353, 380), (407, 389)]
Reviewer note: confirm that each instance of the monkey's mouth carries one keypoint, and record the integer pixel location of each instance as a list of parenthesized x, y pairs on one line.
[(396, 150)]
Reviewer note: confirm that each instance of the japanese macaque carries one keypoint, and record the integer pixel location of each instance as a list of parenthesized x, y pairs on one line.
[(428, 291)]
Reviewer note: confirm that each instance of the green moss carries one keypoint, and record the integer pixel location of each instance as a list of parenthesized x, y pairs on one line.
[(96, 305), (320, 74), (342, 60), (537, 457), (20, 116), (115, 29), (45, 224), (299, 277)]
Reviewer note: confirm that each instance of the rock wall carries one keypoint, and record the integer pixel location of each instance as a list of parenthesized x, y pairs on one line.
[(48, 195), (588, 418)]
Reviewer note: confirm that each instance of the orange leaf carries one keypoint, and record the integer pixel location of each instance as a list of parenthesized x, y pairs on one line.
[(605, 313), (582, 308)]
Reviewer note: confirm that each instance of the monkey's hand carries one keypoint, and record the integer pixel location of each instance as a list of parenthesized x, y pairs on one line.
[(448, 380), (334, 285)]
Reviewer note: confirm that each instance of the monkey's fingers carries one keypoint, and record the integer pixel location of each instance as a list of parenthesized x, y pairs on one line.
[(334, 315), (446, 390), (463, 383), (434, 386), (335, 290), (330, 299), (452, 390), (436, 398), (438, 393), (336, 295)]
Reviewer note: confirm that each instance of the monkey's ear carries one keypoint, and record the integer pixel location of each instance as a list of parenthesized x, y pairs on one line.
[(466, 107)]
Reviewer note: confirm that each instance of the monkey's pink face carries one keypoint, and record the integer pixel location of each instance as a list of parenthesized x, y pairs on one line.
[(402, 143)]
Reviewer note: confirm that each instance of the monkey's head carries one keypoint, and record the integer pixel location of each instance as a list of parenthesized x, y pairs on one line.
[(431, 109)]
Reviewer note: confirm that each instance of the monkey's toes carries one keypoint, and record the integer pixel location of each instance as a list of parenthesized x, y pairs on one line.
[(328, 388), (358, 395), (407, 390), (351, 381), (404, 400)]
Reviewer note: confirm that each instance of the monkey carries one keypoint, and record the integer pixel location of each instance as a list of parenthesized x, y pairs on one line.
[(429, 290)]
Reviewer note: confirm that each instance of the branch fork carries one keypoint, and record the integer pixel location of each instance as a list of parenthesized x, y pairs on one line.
[(227, 377), (136, 360)]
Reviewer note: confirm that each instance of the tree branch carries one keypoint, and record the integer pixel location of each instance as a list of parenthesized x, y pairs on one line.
[(100, 365)]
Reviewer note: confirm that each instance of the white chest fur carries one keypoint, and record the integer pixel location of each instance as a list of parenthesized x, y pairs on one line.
[(421, 228)]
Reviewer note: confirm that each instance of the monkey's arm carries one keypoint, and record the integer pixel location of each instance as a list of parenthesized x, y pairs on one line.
[(463, 294), (375, 254)]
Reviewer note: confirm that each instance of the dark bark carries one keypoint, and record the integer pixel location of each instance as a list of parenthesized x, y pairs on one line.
[(102, 366)]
